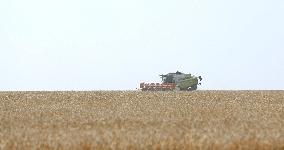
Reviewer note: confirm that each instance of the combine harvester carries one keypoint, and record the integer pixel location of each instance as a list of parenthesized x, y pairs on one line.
[(173, 82)]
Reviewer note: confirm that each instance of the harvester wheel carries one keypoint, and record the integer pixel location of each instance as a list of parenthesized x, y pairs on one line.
[(192, 88)]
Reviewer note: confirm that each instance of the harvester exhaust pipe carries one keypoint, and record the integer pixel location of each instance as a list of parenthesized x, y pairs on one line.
[(200, 78)]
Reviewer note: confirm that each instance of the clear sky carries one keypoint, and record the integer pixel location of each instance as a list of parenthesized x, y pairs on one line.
[(116, 44)]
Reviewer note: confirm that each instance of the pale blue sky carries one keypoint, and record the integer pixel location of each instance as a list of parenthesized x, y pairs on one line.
[(116, 44)]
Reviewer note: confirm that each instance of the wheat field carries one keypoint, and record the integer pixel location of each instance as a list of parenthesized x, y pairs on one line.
[(142, 120)]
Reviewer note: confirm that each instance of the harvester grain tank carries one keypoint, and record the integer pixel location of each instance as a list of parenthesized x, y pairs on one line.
[(177, 81)]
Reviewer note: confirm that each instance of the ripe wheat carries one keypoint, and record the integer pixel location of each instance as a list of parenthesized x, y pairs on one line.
[(142, 120)]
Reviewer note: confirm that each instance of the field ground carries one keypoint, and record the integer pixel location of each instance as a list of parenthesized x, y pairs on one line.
[(142, 120)]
